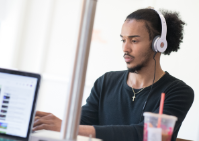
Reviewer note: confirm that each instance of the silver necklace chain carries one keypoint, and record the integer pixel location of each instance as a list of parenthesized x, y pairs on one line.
[(133, 98)]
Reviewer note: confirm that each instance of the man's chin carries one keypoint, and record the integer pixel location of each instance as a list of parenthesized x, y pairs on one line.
[(134, 69)]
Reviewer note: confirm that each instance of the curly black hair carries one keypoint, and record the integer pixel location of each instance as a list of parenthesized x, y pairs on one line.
[(175, 26)]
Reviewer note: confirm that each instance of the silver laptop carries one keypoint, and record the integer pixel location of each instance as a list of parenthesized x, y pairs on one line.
[(18, 94)]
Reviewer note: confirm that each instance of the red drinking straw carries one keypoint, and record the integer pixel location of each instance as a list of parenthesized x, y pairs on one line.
[(161, 109)]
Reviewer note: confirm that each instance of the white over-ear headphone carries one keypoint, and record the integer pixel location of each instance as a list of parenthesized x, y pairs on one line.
[(159, 43)]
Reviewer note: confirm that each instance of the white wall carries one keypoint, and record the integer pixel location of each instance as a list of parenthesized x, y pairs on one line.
[(39, 35)]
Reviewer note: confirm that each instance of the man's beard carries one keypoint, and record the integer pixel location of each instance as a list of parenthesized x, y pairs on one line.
[(138, 67)]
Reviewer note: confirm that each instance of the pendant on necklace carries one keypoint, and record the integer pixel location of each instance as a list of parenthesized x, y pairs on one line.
[(133, 98)]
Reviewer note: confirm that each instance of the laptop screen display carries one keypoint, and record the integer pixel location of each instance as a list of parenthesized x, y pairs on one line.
[(16, 100)]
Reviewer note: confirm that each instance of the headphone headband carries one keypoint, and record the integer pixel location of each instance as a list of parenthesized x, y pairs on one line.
[(163, 23), (159, 43)]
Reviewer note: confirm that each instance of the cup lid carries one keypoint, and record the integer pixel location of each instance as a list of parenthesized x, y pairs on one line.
[(162, 116)]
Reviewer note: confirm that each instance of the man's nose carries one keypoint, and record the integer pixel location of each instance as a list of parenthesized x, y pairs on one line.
[(126, 47)]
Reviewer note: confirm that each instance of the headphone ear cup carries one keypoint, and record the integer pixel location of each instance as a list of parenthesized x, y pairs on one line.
[(154, 43)]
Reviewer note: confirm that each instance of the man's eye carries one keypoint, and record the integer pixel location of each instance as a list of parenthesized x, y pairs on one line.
[(123, 41), (134, 41)]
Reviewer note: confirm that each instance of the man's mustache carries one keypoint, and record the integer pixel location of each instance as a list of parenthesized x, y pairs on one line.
[(126, 54)]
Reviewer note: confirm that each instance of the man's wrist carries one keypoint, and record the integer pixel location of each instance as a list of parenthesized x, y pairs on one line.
[(86, 130)]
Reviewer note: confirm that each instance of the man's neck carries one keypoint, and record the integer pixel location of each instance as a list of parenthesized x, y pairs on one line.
[(145, 76)]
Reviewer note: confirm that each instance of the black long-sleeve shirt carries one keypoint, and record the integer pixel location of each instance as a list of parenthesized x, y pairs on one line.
[(116, 117)]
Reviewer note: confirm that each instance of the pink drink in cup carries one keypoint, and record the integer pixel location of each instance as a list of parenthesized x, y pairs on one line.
[(151, 130)]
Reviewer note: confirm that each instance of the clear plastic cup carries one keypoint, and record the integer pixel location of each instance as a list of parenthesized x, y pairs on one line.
[(152, 132)]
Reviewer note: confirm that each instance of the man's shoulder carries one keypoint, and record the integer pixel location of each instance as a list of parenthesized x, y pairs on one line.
[(176, 83), (172, 79)]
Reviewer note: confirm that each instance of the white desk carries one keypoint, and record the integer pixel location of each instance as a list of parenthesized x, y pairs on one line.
[(46, 135)]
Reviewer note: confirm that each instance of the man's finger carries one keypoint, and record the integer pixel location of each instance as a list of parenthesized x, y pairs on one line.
[(44, 120), (36, 118), (41, 121), (41, 114), (47, 117), (40, 127)]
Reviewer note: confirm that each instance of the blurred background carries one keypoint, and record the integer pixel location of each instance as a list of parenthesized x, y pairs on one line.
[(39, 36)]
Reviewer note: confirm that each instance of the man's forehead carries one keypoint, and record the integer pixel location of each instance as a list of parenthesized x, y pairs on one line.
[(133, 27)]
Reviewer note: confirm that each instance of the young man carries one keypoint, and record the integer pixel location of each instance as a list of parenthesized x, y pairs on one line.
[(114, 109)]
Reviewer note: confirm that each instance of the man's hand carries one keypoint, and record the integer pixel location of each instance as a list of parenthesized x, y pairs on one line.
[(46, 121), (87, 130)]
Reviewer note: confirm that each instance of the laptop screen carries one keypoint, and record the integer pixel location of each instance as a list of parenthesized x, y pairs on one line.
[(17, 94)]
